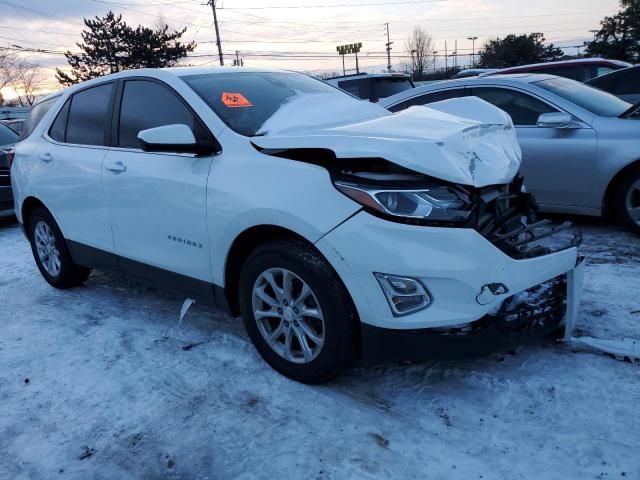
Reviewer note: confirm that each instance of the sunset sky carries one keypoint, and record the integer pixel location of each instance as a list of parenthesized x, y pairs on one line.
[(301, 35)]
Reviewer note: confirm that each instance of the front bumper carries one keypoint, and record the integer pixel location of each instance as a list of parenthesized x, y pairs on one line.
[(453, 263)]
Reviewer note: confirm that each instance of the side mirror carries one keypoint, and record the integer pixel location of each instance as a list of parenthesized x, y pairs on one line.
[(168, 138), (556, 120)]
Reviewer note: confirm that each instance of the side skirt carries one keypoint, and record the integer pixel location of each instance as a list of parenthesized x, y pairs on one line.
[(176, 283)]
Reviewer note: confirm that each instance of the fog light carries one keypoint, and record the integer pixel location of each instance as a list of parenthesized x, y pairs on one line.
[(404, 294)]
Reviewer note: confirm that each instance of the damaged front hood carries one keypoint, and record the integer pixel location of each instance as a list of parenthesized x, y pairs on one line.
[(464, 140)]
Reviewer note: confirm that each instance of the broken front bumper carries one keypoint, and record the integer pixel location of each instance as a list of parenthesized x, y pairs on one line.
[(544, 311), (456, 265)]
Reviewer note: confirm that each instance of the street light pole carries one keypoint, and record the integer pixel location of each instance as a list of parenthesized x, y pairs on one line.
[(473, 49)]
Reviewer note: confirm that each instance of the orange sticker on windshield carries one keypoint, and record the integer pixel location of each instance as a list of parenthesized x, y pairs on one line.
[(234, 100)]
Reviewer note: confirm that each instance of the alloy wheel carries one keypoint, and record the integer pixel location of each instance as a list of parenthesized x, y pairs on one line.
[(288, 315), (46, 247), (633, 202)]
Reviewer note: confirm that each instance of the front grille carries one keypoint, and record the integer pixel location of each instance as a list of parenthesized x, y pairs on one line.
[(535, 310), (507, 217), (5, 177)]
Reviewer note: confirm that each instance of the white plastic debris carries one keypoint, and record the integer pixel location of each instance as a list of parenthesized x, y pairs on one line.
[(186, 305), (625, 349)]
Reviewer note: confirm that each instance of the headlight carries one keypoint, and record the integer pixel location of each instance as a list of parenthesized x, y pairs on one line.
[(437, 202)]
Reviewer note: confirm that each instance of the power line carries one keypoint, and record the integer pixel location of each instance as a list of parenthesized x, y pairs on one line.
[(39, 12), (273, 7)]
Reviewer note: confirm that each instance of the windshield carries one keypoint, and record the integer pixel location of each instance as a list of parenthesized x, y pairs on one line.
[(596, 101), (7, 136), (245, 101)]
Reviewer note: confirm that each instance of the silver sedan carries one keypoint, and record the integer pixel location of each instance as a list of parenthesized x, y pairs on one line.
[(580, 145)]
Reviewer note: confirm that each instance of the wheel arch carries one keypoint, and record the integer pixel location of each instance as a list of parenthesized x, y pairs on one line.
[(245, 243), (29, 204), (614, 183)]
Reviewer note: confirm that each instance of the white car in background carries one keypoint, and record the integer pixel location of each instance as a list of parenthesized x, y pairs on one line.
[(337, 229)]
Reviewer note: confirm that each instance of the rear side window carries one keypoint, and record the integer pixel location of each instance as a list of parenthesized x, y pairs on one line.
[(429, 98), (523, 108), (37, 112), (148, 104), (436, 96), (385, 87), (358, 88), (89, 116), (58, 130)]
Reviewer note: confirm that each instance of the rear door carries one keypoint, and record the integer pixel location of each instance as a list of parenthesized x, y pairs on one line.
[(156, 201), (68, 166), (557, 164)]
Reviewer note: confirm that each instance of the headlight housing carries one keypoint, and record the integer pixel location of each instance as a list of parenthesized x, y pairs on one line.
[(437, 202)]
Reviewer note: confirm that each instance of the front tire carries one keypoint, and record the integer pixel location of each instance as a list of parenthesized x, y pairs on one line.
[(51, 253), (297, 312), (627, 201)]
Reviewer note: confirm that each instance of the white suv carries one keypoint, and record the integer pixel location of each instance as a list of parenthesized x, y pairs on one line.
[(338, 230)]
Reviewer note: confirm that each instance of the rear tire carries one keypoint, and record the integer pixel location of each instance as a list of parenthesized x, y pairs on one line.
[(51, 253), (297, 312), (626, 201)]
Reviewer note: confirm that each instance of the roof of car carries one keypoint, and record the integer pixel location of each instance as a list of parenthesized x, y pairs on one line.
[(358, 76), (592, 60), (504, 78)]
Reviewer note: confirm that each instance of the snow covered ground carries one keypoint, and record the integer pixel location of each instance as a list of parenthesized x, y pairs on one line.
[(98, 382)]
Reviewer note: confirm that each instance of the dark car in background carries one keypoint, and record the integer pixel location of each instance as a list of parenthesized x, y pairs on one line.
[(7, 139), (15, 124), (373, 86), (580, 69), (623, 83)]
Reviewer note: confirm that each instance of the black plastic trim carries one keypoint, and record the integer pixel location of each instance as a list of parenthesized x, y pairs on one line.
[(204, 292)]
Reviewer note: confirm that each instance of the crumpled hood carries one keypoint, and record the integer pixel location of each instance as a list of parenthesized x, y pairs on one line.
[(463, 140)]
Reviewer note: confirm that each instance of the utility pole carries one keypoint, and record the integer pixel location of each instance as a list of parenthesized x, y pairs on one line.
[(389, 42), (215, 23), (473, 49), (455, 55), (446, 58)]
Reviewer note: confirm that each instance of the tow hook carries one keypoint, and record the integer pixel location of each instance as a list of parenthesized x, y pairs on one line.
[(489, 292)]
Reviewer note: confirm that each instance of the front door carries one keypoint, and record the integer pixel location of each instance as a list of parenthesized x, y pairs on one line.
[(557, 164), (156, 201)]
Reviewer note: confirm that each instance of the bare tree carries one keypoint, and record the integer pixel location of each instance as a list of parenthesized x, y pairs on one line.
[(28, 84), (8, 70), (419, 45)]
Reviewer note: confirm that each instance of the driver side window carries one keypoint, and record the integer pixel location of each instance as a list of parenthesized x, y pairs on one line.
[(522, 107), (147, 104)]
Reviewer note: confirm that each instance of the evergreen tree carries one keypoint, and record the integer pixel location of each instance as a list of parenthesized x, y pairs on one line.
[(109, 45), (514, 50), (619, 35)]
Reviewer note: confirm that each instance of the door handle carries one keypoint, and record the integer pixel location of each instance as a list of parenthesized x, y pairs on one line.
[(116, 167), (45, 157)]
